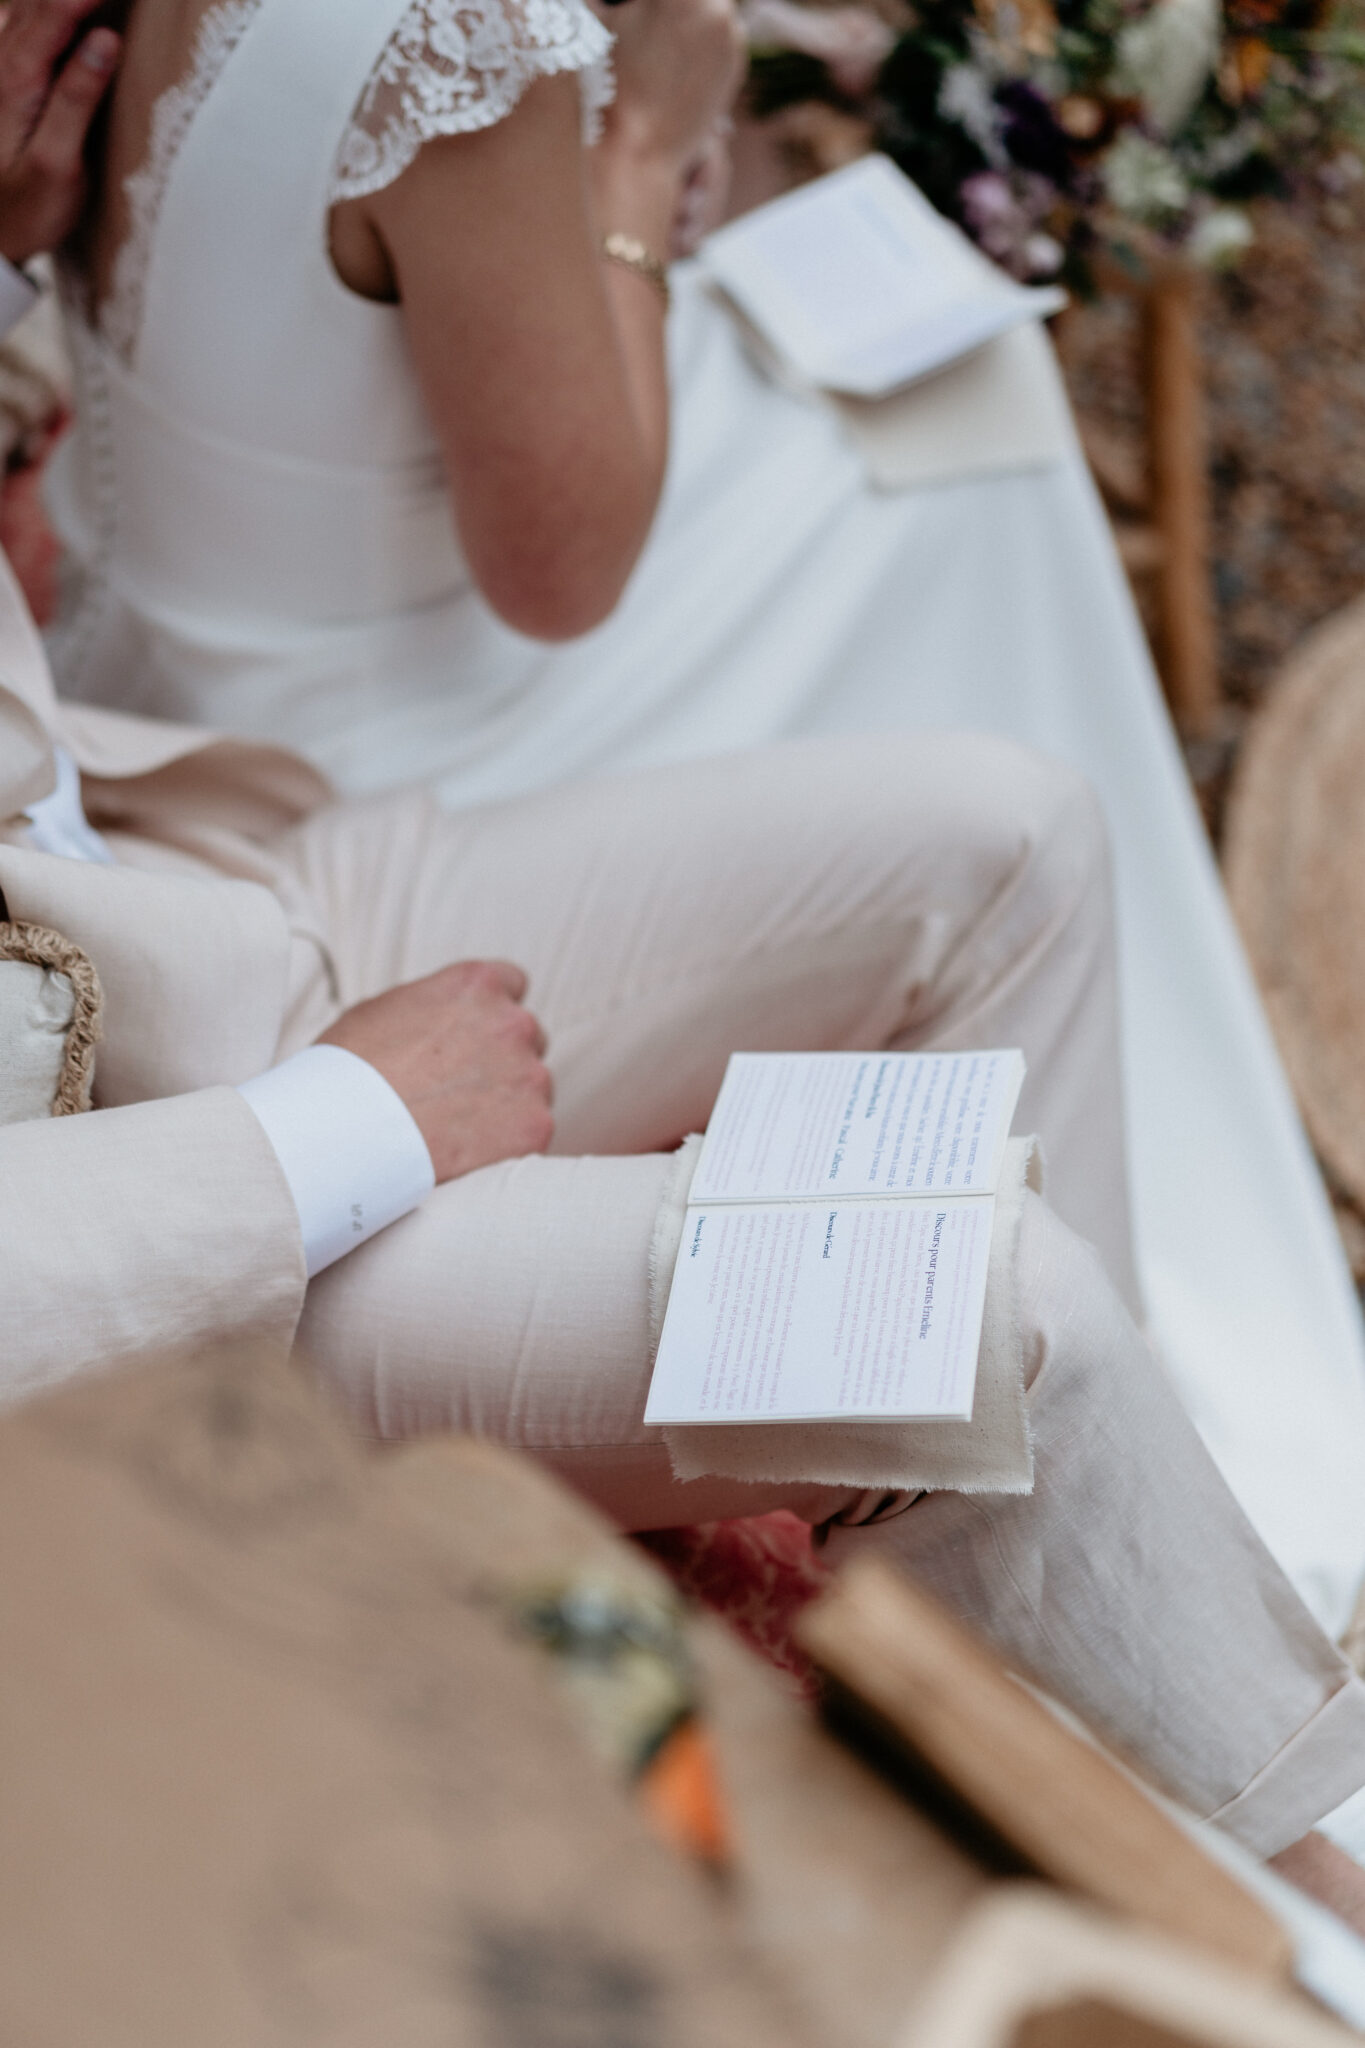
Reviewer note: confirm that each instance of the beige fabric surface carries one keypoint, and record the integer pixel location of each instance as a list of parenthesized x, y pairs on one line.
[(993, 1453)]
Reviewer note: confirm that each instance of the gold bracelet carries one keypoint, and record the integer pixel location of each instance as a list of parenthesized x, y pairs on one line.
[(632, 254)]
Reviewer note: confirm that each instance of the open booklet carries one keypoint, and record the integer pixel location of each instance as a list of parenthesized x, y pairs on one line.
[(838, 1230), (859, 286)]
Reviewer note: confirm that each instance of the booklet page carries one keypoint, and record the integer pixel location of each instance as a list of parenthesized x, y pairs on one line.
[(861, 285), (806, 1125), (810, 1311)]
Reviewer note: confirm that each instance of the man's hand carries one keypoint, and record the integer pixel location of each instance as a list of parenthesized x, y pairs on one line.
[(45, 115), (465, 1056)]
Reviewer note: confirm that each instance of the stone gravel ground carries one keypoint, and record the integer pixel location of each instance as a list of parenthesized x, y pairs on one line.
[(1284, 352)]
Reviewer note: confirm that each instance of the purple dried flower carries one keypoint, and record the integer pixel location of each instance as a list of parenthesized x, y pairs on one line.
[(1031, 134), (1004, 213)]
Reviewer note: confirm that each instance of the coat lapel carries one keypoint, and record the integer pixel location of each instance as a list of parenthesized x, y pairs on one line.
[(194, 969)]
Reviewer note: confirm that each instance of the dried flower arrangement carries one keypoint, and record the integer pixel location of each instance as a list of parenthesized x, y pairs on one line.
[(1062, 132)]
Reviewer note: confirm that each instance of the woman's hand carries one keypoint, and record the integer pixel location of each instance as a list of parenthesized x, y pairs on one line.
[(52, 79), (678, 65)]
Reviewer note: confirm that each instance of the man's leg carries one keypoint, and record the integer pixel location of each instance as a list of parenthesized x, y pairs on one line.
[(849, 895), (515, 1305), (945, 890), (1129, 1583), (825, 896)]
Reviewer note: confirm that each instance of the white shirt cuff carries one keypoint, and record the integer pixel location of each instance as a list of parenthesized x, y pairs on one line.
[(18, 295), (57, 823), (353, 1157)]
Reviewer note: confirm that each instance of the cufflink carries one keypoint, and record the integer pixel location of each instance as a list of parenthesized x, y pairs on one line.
[(51, 1006)]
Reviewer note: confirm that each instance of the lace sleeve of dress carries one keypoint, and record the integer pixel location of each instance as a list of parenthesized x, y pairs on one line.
[(452, 66)]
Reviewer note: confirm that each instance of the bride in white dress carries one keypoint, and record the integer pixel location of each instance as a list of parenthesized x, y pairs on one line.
[(257, 502)]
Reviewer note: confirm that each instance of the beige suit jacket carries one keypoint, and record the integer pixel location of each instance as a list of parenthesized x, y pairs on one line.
[(163, 1219)]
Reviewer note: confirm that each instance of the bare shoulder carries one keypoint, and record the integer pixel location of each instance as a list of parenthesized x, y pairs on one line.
[(462, 196)]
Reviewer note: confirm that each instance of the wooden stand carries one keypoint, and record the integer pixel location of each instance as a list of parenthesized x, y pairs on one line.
[(1180, 500), (937, 1707), (1160, 501)]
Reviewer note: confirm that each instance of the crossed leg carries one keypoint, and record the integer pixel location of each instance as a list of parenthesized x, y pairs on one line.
[(947, 891), (859, 894)]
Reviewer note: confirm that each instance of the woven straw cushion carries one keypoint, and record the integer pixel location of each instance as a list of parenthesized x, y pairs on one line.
[(49, 1024), (1294, 861)]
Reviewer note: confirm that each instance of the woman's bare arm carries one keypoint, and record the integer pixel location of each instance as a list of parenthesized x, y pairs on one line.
[(542, 364)]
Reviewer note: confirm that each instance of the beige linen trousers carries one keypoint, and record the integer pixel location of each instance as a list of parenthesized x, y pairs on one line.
[(946, 891), (864, 893)]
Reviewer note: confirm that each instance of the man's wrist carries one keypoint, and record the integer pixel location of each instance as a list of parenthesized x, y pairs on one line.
[(347, 1145)]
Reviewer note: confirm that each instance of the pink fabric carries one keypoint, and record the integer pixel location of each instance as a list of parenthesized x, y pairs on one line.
[(757, 1574)]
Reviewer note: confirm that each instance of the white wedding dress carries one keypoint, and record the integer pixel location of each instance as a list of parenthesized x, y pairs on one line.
[(255, 505)]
